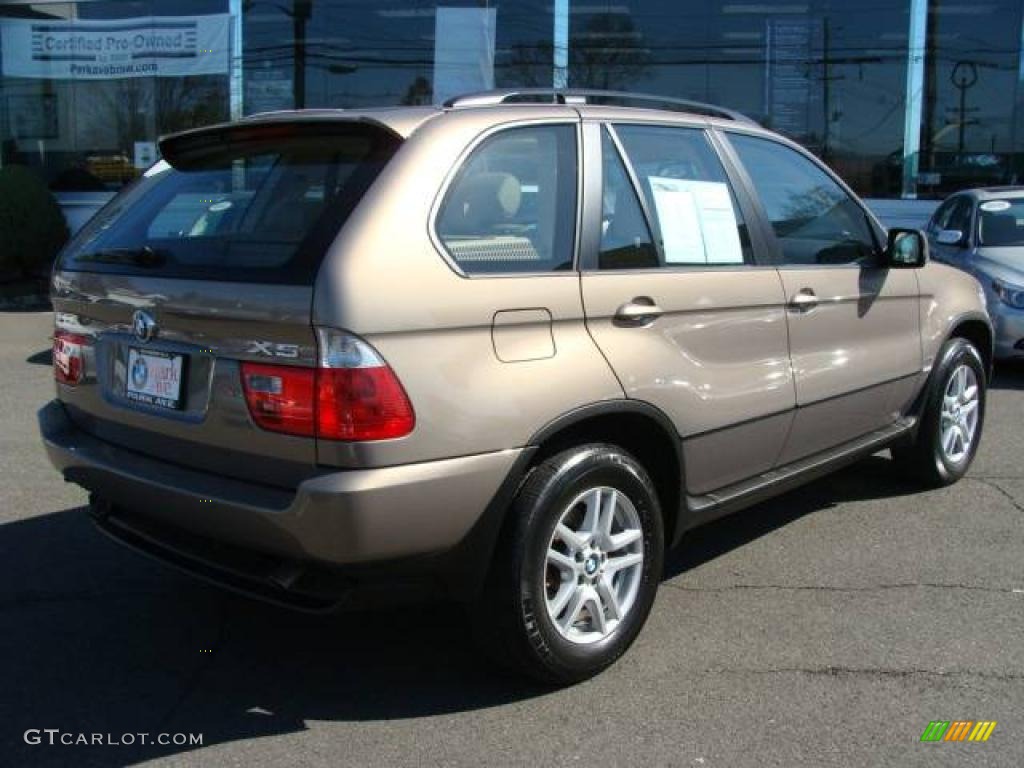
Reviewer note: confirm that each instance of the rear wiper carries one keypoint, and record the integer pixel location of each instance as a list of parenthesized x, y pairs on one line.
[(139, 257)]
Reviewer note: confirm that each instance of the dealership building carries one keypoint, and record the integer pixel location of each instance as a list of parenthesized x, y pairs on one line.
[(906, 99)]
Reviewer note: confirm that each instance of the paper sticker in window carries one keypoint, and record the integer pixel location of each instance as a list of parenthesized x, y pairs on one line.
[(697, 220)]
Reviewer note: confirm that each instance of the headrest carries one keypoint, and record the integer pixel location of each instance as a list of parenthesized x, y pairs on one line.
[(482, 201)]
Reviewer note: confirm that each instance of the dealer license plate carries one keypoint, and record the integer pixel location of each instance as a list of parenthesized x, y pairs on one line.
[(154, 378)]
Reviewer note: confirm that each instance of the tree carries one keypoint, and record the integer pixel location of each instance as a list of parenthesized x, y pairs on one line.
[(609, 54)]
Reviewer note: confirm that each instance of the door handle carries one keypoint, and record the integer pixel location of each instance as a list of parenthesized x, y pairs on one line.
[(640, 311), (804, 301)]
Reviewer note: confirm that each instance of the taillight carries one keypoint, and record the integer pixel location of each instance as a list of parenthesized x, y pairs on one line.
[(358, 396), (69, 357), (353, 395), (280, 397)]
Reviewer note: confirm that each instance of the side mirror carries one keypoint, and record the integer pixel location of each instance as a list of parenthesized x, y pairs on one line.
[(950, 237), (907, 249)]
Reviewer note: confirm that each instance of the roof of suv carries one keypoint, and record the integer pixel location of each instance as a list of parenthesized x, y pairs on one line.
[(405, 120)]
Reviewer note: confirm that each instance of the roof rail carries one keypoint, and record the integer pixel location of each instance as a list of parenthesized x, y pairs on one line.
[(583, 96)]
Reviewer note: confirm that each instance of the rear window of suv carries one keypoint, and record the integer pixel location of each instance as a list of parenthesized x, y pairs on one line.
[(250, 203)]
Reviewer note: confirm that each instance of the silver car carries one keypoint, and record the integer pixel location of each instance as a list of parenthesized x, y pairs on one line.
[(981, 231)]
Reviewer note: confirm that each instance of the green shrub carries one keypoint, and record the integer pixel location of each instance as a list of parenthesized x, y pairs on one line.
[(32, 227)]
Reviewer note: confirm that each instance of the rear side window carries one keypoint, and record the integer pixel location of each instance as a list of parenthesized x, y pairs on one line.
[(260, 209), (512, 205)]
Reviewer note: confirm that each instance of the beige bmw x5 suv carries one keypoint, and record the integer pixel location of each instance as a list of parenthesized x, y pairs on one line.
[(505, 351)]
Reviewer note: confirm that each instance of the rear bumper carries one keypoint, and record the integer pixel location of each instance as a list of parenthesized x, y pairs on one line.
[(352, 522)]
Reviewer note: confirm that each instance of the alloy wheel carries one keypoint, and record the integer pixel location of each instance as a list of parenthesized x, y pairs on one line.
[(959, 415), (593, 566)]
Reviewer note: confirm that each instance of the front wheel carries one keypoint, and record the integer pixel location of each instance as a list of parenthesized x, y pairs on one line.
[(577, 569), (952, 418)]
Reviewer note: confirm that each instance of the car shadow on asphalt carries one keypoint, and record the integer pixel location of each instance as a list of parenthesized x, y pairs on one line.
[(95, 639), (872, 478), (1008, 374), (42, 357)]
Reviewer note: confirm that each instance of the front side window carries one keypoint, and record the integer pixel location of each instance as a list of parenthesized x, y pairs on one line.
[(814, 219), (960, 216), (941, 216), (512, 206), (696, 219)]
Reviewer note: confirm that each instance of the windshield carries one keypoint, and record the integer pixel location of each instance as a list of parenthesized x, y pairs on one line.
[(1001, 223), (260, 210)]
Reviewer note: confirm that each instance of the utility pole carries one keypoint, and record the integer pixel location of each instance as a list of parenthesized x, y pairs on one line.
[(827, 79), (301, 11)]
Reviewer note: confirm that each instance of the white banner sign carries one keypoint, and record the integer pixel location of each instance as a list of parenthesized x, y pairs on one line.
[(151, 46)]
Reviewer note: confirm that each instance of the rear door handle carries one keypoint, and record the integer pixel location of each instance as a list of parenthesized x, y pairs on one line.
[(640, 311), (804, 301)]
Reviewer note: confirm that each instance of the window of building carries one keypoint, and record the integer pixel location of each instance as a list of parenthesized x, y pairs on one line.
[(814, 219), (824, 73), (145, 68), (512, 205), (972, 127), (87, 88), (829, 74)]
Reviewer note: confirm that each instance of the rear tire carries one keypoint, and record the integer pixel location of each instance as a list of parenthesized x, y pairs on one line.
[(952, 419), (577, 567)]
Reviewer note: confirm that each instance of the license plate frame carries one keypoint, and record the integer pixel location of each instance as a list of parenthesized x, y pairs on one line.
[(155, 378)]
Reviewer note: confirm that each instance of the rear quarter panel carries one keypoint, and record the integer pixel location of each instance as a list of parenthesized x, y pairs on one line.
[(386, 280)]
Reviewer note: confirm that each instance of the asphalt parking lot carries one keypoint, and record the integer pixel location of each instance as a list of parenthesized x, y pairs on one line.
[(826, 627)]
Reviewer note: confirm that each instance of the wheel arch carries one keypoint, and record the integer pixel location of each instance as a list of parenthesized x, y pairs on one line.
[(977, 330), (639, 428), (973, 327)]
